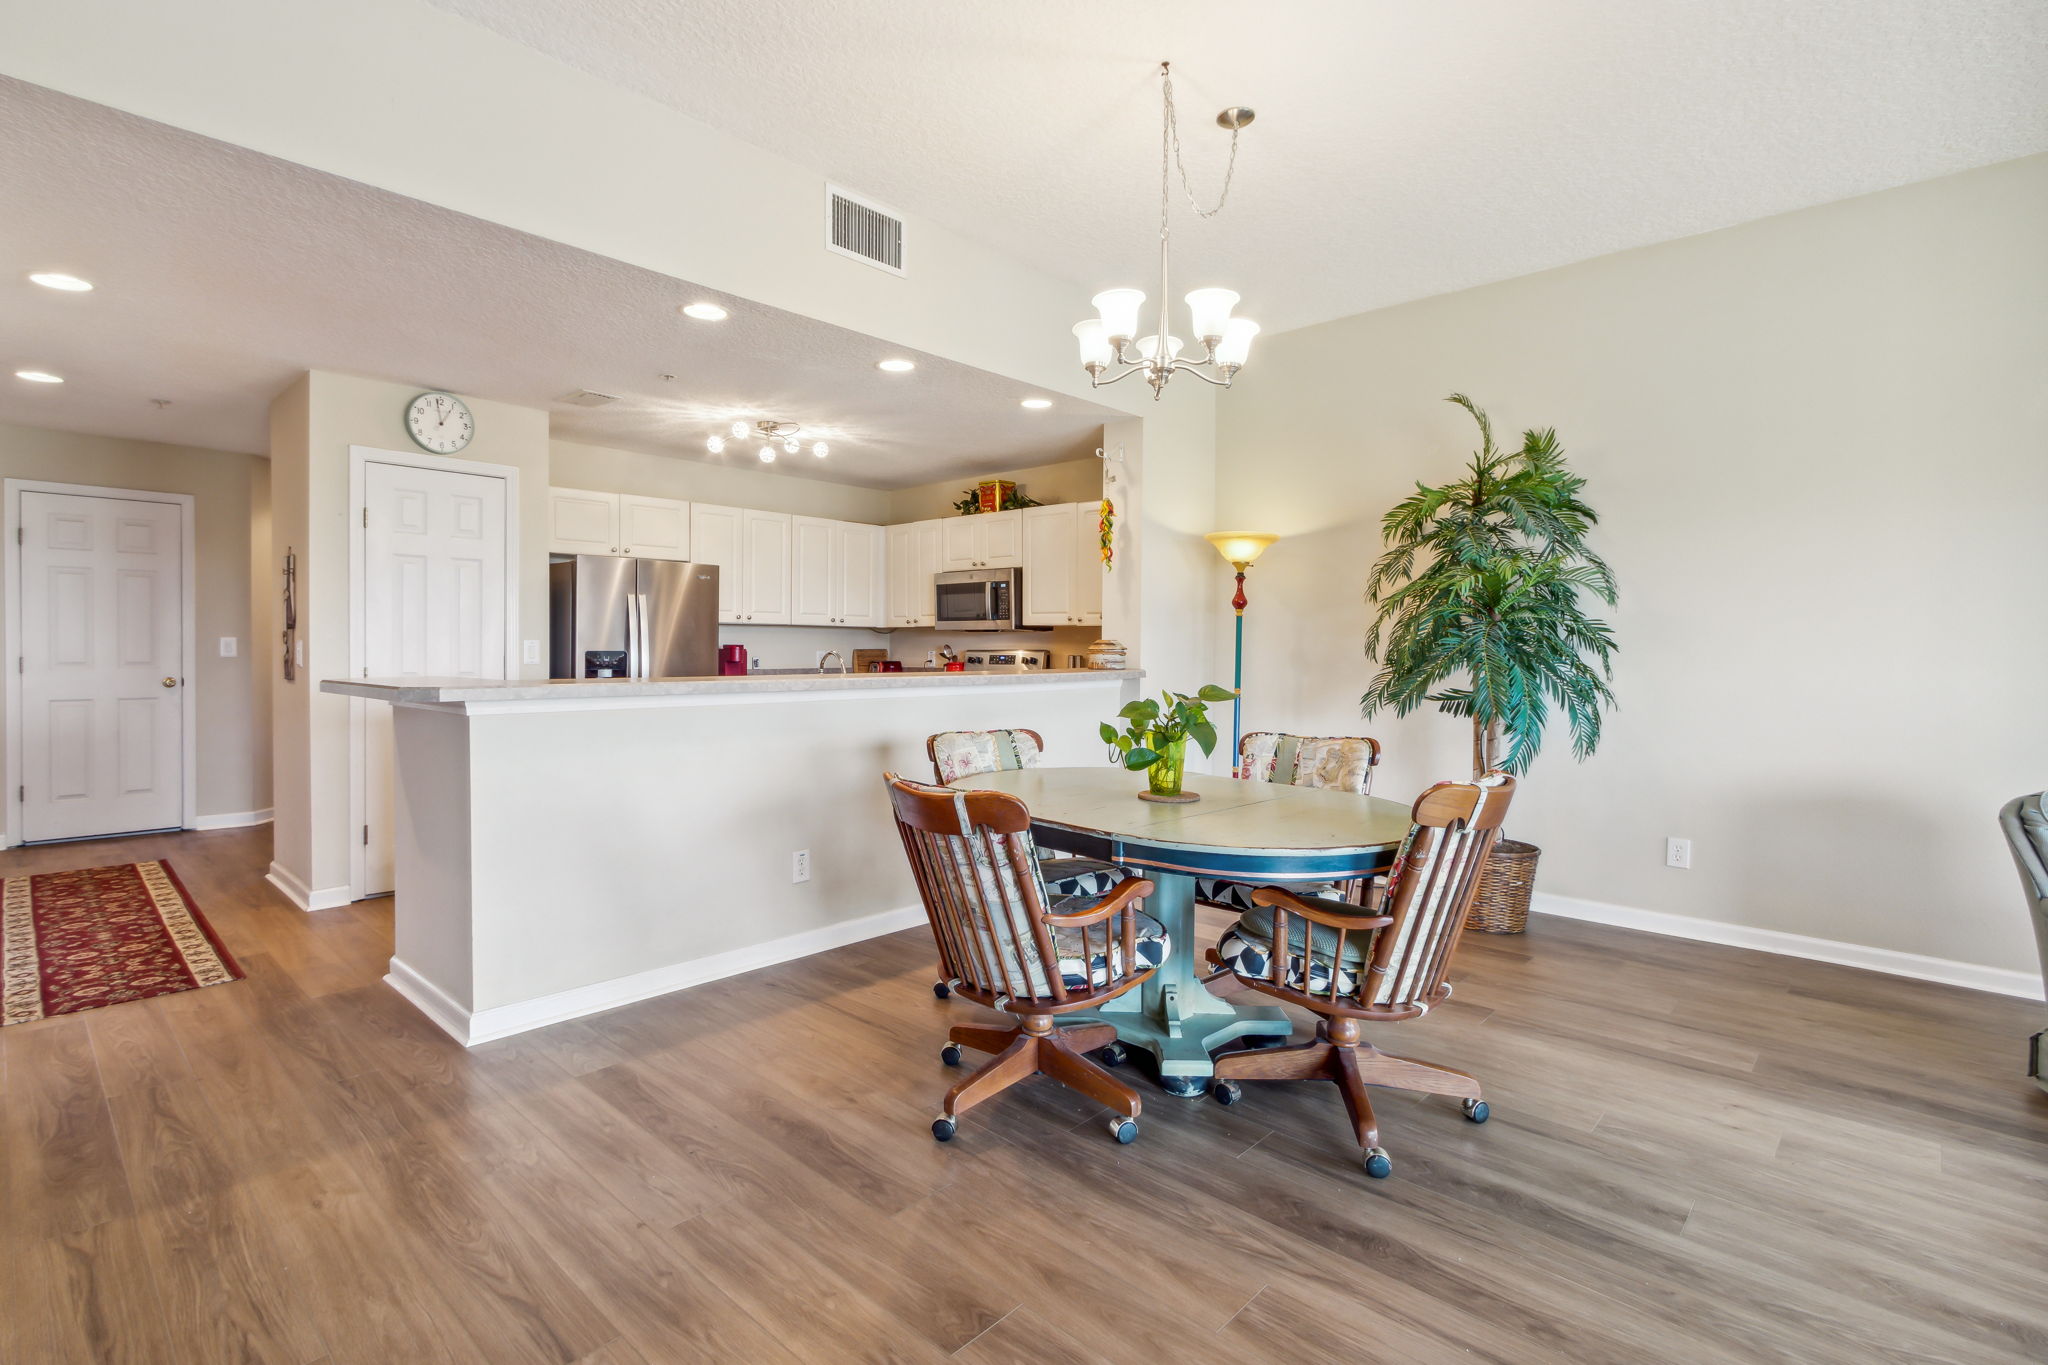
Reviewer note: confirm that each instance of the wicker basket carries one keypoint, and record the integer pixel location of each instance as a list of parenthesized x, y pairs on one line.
[(1501, 905)]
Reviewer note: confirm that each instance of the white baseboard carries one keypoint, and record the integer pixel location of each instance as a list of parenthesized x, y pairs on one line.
[(481, 1026), (303, 896), (2026, 985), (233, 820)]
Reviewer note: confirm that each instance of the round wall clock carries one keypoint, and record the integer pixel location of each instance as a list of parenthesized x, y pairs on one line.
[(439, 422)]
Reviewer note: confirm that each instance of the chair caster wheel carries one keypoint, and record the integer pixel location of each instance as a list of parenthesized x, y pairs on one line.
[(1477, 1111), (942, 990), (950, 1054), (1124, 1131), (943, 1128), (1378, 1164), (1227, 1092), (1112, 1055)]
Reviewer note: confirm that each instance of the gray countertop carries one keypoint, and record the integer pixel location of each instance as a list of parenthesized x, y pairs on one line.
[(437, 691)]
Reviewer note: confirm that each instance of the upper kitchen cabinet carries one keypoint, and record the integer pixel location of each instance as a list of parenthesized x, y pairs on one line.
[(582, 523), (751, 550), (913, 556), (1062, 570), (653, 528), (988, 540), (836, 573)]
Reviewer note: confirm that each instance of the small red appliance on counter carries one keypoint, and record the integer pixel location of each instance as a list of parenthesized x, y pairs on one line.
[(732, 660)]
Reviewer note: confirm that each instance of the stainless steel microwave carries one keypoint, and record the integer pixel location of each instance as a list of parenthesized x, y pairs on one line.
[(980, 599)]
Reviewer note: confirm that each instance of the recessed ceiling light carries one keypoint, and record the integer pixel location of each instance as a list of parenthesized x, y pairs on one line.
[(704, 312), (1036, 403), (39, 376), (896, 366), (50, 279)]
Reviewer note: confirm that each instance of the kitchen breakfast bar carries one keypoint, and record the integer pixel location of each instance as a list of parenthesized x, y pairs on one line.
[(565, 847)]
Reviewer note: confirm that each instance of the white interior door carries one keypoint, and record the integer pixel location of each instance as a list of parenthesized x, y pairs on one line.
[(102, 665), (434, 576)]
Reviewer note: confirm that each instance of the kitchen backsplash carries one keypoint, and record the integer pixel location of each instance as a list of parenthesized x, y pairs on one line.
[(799, 646)]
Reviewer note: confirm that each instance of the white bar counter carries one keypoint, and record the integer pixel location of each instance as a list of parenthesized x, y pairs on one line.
[(566, 847)]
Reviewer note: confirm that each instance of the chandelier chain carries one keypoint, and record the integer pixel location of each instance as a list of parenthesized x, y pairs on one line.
[(1170, 147)]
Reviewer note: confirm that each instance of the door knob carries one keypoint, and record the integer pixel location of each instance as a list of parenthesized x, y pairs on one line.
[(170, 682)]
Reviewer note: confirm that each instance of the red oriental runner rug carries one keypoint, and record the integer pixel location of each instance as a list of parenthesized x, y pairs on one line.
[(72, 941)]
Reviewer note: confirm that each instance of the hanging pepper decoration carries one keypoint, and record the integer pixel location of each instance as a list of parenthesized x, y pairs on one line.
[(1107, 525)]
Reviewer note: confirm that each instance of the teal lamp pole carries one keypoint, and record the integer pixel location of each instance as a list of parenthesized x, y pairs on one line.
[(1239, 550)]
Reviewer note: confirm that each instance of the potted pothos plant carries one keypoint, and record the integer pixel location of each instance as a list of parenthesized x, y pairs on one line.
[(1481, 596), (1155, 737)]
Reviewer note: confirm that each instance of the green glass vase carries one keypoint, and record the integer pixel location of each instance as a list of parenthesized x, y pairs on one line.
[(1165, 775)]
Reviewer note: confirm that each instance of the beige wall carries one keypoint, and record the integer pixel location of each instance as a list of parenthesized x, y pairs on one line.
[(313, 424), (229, 493), (1066, 481), (1816, 443)]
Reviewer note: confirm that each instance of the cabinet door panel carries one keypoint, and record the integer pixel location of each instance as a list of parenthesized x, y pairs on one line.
[(930, 561), (961, 542), (812, 594), (765, 545), (654, 528), (1048, 536), (1088, 563), (858, 564), (582, 523), (1002, 539), (716, 537)]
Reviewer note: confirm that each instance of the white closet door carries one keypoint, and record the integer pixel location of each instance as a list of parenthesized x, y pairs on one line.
[(102, 685), (434, 607)]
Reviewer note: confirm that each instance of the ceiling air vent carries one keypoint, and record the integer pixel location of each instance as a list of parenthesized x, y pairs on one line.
[(587, 398), (864, 230)]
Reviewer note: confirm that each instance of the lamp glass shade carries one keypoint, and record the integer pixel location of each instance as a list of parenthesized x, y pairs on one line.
[(1119, 310), (1240, 547), (739, 430), (1237, 341), (1148, 347), (1095, 347), (821, 450), (767, 454), (716, 445), (1209, 311)]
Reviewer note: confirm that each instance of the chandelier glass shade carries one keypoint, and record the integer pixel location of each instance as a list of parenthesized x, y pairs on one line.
[(788, 436), (1111, 345)]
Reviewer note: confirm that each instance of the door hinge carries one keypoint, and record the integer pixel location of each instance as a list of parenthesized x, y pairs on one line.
[(366, 516), (17, 536), (366, 836), (21, 793)]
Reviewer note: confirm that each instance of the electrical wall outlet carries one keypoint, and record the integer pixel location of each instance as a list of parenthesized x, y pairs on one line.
[(1678, 853), (800, 865), (532, 652), (229, 646)]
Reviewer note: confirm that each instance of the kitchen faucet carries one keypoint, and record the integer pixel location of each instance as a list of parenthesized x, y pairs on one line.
[(831, 654)]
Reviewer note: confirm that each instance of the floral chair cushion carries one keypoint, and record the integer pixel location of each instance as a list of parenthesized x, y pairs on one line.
[(963, 753), (1342, 763), (1247, 949), (1149, 948)]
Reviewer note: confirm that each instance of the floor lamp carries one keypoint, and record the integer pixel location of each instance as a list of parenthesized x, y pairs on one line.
[(1239, 549)]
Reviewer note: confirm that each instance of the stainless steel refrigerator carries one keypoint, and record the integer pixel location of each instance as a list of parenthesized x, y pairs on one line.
[(632, 618)]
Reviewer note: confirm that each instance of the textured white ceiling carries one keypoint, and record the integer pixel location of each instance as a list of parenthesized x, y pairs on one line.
[(1403, 149), (221, 273)]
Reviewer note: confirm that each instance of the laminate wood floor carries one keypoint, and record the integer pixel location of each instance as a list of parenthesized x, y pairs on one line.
[(1697, 1154)]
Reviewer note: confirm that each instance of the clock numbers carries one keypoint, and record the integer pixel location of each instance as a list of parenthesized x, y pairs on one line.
[(440, 422)]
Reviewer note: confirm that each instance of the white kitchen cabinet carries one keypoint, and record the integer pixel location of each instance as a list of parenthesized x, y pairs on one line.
[(764, 576), (582, 523), (914, 557), (1088, 569), (653, 528), (717, 534), (987, 540), (1049, 558), (836, 573)]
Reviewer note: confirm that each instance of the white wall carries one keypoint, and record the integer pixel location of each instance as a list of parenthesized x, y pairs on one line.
[(230, 500), (1817, 446)]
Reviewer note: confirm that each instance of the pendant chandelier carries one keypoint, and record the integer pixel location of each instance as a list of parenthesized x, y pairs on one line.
[(787, 435), (1111, 339)]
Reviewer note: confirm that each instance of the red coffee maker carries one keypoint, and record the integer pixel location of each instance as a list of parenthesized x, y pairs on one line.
[(732, 660)]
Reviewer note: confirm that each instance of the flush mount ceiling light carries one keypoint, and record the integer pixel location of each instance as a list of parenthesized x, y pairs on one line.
[(39, 376), (70, 284), (1036, 403), (1106, 339), (787, 435), (896, 365), (704, 312)]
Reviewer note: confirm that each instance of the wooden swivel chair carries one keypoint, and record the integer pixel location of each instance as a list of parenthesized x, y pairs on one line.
[(1347, 965), (1336, 762), (1009, 943), (963, 753)]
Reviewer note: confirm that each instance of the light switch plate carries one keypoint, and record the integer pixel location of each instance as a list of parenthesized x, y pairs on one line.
[(532, 654), (229, 646)]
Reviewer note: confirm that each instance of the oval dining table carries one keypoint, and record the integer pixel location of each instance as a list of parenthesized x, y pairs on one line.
[(1262, 832)]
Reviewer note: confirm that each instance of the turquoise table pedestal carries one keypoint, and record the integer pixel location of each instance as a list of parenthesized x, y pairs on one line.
[(1262, 832)]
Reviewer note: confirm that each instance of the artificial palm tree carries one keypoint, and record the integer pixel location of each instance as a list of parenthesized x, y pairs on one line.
[(1480, 597)]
